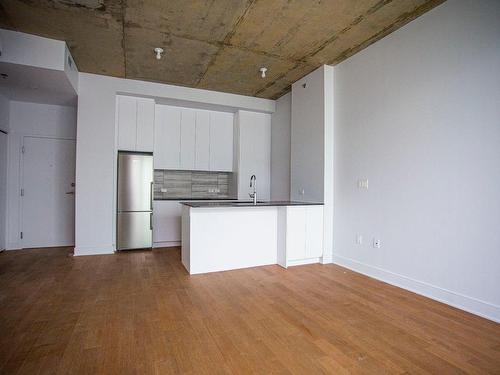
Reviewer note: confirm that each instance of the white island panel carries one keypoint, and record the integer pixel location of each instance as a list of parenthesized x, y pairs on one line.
[(219, 239)]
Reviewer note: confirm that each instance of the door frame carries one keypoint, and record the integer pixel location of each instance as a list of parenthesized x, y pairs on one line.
[(21, 178)]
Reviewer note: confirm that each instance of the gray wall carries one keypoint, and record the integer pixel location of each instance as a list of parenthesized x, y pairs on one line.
[(418, 114), (280, 148)]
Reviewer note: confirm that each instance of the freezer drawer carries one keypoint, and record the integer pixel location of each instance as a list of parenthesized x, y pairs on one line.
[(135, 182), (134, 230)]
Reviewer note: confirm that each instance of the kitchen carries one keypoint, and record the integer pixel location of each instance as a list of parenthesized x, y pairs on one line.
[(212, 161)]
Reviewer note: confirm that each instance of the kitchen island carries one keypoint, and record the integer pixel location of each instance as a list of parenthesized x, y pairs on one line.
[(219, 236)]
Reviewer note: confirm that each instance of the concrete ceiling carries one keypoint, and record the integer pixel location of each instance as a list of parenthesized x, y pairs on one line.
[(212, 44)]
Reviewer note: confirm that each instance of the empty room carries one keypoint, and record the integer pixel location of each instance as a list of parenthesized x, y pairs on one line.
[(249, 187)]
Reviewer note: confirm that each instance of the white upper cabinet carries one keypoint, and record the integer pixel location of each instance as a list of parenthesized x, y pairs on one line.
[(127, 122), (202, 143), (188, 138), (145, 124), (135, 119), (167, 139), (221, 141)]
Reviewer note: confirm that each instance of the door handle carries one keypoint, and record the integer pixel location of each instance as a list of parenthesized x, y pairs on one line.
[(151, 196), (70, 192)]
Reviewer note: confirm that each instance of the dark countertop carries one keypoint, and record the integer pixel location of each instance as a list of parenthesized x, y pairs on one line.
[(232, 204), (194, 199)]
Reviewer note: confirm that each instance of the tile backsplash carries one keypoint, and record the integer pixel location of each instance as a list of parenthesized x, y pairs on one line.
[(172, 184)]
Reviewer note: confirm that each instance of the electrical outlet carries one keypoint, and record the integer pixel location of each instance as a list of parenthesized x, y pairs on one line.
[(163, 190), (302, 192), (376, 243), (359, 239)]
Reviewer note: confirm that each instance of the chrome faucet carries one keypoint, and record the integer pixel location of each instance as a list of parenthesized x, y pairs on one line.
[(253, 183)]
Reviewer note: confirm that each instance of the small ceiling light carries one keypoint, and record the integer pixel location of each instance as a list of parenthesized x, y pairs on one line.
[(159, 51), (263, 71)]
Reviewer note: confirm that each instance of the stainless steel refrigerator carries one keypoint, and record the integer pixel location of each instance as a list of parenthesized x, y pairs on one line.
[(135, 201)]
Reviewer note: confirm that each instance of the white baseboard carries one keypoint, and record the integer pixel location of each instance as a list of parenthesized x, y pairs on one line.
[(94, 250), (167, 244), (301, 262), (460, 301)]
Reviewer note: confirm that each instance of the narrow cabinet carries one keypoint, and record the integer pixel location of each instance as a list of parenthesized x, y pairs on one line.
[(221, 141), (126, 112), (167, 137), (304, 234), (145, 125), (135, 123), (188, 139), (202, 141)]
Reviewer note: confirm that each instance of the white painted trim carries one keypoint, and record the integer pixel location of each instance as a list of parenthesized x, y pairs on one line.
[(94, 250), (472, 305), (166, 244), (327, 258), (301, 262)]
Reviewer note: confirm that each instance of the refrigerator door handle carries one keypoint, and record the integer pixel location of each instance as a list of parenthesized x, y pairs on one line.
[(151, 196), (151, 221)]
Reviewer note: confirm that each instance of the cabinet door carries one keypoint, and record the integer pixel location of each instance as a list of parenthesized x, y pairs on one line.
[(314, 231), (221, 141), (202, 148), (188, 125), (295, 233), (145, 124), (167, 139), (127, 120), (167, 221)]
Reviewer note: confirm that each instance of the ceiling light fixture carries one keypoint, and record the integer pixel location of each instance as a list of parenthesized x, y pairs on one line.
[(159, 51), (263, 71)]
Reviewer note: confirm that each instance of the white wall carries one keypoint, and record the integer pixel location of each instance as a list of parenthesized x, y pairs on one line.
[(280, 148), (96, 147), (418, 114), (30, 119), (26, 49), (307, 138), (4, 113), (4, 126)]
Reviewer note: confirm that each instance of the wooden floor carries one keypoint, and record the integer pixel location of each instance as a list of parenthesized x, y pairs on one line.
[(141, 313)]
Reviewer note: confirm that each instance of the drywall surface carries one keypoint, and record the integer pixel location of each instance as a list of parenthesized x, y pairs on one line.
[(280, 148), (32, 50), (30, 119), (307, 138), (96, 147), (418, 115), (4, 113)]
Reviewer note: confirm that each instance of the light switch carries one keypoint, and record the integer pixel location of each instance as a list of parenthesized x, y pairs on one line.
[(363, 183)]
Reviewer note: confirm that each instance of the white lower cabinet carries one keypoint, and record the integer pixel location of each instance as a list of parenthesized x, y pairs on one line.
[(304, 235), (167, 223)]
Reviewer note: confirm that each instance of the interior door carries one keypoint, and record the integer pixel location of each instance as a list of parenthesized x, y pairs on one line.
[(48, 192)]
